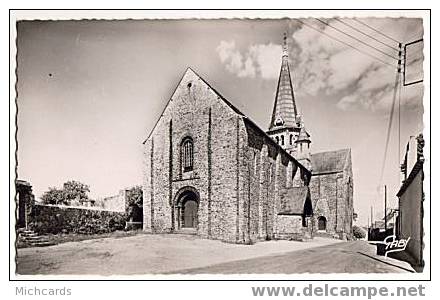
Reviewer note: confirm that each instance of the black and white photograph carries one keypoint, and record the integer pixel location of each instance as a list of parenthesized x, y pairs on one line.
[(221, 144)]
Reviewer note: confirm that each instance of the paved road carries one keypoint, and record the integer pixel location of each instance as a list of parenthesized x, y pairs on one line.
[(174, 254), (146, 254), (348, 257)]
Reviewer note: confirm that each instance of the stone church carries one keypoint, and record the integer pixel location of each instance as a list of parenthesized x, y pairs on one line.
[(211, 171)]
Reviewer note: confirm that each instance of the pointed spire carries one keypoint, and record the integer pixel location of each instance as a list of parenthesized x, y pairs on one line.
[(303, 136), (284, 110), (285, 48)]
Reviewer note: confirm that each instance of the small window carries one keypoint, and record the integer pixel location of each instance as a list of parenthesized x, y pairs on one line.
[(282, 140), (304, 221), (278, 140), (279, 121), (289, 177), (270, 172), (187, 154), (291, 139), (255, 162)]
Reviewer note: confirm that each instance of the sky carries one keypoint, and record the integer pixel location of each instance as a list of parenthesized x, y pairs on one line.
[(89, 92)]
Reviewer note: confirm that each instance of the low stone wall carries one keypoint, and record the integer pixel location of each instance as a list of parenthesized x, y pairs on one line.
[(290, 227), (65, 219)]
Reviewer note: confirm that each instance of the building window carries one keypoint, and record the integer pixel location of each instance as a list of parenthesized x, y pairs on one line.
[(187, 154), (270, 172), (291, 139), (278, 140), (282, 140), (289, 177), (255, 162)]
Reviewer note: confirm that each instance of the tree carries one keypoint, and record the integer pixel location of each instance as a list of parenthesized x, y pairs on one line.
[(72, 190), (53, 196), (134, 196), (75, 190), (358, 232), (134, 204)]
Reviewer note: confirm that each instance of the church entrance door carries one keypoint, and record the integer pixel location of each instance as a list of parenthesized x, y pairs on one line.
[(322, 223), (190, 208)]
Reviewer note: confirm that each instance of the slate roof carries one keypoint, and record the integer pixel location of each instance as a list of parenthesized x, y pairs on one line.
[(303, 135), (285, 106), (296, 200), (329, 161)]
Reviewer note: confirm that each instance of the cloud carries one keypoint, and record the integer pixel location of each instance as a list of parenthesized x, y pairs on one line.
[(233, 60), (347, 102), (268, 59), (323, 65), (261, 60)]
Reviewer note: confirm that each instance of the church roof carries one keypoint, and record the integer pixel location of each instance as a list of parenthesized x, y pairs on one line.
[(284, 106), (296, 201), (235, 109), (329, 161), (303, 135)]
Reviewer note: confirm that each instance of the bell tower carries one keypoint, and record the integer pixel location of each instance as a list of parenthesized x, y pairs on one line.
[(286, 125)]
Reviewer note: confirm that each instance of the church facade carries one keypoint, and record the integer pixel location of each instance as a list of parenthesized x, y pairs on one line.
[(211, 171)]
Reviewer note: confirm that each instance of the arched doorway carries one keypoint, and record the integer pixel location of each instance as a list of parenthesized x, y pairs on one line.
[(322, 223), (187, 205), (189, 213)]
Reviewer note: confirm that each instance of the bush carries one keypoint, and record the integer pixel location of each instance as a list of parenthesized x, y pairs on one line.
[(53, 219), (358, 232)]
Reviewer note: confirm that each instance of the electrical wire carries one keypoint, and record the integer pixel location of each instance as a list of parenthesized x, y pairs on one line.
[(366, 34), (347, 44), (355, 38), (374, 29), (390, 122)]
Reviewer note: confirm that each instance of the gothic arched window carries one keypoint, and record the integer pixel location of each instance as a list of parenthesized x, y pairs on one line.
[(187, 154)]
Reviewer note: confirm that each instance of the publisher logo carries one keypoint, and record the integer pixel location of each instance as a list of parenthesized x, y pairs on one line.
[(394, 245)]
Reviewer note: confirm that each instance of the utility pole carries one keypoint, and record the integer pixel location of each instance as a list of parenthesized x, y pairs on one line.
[(371, 213), (385, 207)]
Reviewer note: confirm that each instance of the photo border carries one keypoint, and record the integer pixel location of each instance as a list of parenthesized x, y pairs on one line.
[(198, 279)]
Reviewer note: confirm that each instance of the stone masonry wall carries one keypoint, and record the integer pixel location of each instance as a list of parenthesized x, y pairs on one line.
[(332, 197), (411, 218), (290, 227), (323, 189), (56, 219), (194, 111), (115, 202), (267, 175), (239, 173)]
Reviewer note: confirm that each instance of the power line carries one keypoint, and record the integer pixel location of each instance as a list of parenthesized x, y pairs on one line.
[(390, 122), (348, 45), (366, 34), (374, 29), (355, 38), (398, 124)]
